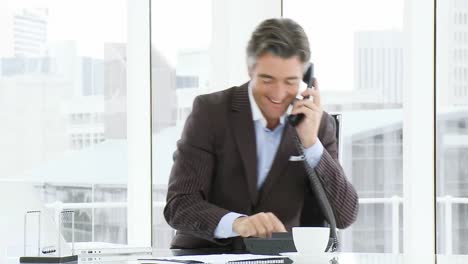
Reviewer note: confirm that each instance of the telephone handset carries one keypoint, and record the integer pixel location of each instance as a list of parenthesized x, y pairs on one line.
[(308, 78), (316, 185)]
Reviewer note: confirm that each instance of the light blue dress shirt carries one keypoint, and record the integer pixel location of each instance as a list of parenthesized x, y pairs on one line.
[(267, 144)]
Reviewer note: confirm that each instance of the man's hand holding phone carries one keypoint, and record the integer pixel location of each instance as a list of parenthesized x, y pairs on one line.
[(258, 225), (308, 128)]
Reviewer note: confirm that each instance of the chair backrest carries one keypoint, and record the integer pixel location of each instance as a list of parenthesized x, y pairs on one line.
[(337, 117)]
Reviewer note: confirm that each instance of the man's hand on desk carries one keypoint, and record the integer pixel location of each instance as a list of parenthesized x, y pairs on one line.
[(258, 225)]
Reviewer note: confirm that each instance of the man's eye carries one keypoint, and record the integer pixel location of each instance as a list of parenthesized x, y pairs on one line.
[(267, 81), (291, 83)]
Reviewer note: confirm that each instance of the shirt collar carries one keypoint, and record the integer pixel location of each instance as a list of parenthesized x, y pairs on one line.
[(257, 113)]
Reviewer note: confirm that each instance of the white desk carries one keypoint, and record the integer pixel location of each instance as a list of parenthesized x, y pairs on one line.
[(344, 258)]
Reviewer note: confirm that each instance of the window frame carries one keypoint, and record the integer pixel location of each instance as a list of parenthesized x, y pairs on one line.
[(419, 114), (139, 194)]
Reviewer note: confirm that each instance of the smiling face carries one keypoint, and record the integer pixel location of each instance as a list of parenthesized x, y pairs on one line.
[(275, 85)]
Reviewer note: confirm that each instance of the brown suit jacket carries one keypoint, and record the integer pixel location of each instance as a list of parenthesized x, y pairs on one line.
[(215, 172)]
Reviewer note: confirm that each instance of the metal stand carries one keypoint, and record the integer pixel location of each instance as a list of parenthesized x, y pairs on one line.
[(50, 254)]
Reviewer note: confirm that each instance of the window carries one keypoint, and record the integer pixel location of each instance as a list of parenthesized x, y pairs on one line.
[(186, 65), (74, 132), (361, 67), (63, 108), (363, 61), (452, 135)]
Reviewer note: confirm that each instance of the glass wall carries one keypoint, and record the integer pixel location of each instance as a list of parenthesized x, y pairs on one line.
[(63, 116), (358, 49), (189, 58), (452, 127)]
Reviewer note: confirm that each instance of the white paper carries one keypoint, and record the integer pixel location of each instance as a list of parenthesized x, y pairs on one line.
[(212, 259)]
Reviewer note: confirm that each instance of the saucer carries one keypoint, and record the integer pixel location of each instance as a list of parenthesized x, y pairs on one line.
[(323, 258)]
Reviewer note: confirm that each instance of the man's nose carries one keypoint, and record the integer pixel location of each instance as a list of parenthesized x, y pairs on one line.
[(278, 92)]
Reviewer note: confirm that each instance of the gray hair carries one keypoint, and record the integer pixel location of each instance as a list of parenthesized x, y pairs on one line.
[(281, 37)]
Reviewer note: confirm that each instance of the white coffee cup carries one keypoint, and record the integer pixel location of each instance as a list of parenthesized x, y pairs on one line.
[(310, 240)]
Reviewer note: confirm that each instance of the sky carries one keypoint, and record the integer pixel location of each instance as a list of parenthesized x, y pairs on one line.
[(183, 16), (330, 25), (89, 22)]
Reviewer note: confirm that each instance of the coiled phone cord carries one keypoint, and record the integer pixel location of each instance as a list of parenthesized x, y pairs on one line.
[(322, 198)]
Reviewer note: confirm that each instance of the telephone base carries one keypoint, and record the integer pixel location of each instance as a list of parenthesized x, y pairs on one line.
[(279, 242)]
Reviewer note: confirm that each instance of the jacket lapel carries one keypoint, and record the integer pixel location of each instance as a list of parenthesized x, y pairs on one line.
[(285, 150), (244, 133)]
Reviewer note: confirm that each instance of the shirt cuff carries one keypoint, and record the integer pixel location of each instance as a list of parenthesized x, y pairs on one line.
[(313, 154), (224, 228)]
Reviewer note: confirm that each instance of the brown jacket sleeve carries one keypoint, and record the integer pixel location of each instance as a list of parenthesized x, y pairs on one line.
[(340, 192), (187, 208)]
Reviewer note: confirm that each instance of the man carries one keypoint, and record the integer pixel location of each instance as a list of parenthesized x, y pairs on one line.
[(233, 175)]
